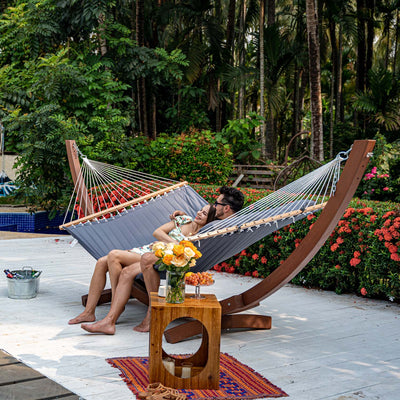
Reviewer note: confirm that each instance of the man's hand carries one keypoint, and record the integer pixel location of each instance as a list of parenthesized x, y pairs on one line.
[(176, 213)]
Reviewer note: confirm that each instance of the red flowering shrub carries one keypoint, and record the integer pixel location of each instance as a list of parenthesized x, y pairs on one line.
[(362, 254), (114, 194)]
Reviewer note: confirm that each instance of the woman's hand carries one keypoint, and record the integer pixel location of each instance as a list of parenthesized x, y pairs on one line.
[(176, 214)]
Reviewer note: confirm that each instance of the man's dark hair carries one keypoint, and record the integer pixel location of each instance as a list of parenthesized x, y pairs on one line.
[(232, 196)]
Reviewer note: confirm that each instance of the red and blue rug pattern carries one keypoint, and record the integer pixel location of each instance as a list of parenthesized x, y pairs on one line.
[(237, 380)]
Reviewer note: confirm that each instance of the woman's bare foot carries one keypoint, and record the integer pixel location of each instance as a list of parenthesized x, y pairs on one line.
[(104, 326), (82, 317), (144, 326)]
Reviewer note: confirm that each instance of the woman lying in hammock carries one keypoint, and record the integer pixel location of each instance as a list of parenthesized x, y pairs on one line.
[(116, 260)]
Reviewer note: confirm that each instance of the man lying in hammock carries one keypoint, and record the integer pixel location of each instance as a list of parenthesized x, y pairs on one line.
[(123, 269)]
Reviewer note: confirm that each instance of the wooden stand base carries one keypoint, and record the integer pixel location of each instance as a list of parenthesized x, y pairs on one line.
[(205, 370), (236, 321)]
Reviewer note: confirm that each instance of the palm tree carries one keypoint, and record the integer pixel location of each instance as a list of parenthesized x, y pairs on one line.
[(380, 101), (141, 83), (241, 43), (262, 108), (336, 13), (315, 81)]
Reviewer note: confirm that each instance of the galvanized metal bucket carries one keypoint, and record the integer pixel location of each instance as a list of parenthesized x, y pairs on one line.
[(25, 283)]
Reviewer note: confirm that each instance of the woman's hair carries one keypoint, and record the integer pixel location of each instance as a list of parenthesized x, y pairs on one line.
[(211, 214)]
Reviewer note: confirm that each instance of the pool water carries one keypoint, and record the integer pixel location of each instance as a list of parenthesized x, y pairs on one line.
[(37, 222)]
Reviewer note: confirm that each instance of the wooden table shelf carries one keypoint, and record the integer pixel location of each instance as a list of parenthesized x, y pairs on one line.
[(205, 370)]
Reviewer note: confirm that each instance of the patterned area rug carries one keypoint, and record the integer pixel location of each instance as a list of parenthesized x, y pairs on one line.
[(237, 381)]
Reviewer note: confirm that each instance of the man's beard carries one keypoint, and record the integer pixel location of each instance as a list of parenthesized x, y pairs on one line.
[(218, 215)]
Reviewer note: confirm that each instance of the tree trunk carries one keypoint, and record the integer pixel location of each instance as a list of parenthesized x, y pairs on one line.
[(361, 58), (269, 133), (102, 36), (339, 104), (386, 33), (396, 42), (332, 109), (361, 48), (154, 116), (241, 105), (370, 36), (262, 70), (230, 36), (315, 81), (230, 28), (302, 92), (141, 84), (271, 12), (296, 79), (3, 5)]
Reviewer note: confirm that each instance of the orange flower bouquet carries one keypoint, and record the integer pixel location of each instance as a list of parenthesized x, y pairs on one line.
[(176, 259)]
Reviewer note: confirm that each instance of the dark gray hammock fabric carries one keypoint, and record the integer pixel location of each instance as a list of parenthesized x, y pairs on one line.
[(135, 227)]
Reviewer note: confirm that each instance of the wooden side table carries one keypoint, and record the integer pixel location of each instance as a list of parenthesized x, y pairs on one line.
[(205, 370)]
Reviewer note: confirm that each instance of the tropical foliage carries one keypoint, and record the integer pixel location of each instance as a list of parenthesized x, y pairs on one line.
[(145, 67), (137, 83)]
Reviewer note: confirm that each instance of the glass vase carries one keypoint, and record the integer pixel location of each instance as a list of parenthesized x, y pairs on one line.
[(175, 287)]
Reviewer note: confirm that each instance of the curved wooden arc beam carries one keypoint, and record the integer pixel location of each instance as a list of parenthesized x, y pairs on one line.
[(75, 167), (309, 246)]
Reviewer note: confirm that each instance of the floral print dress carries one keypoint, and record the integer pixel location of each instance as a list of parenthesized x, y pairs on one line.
[(175, 234)]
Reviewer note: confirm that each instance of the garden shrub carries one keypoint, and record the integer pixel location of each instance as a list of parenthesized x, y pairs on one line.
[(242, 135), (394, 168), (375, 186), (198, 157), (361, 255), (382, 181)]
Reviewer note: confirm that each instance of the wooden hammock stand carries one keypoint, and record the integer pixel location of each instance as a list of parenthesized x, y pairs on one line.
[(334, 209)]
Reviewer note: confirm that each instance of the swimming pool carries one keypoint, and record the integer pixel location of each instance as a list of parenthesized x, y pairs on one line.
[(24, 221)]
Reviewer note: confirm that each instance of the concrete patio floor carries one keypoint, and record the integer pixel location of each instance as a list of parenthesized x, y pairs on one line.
[(321, 345)]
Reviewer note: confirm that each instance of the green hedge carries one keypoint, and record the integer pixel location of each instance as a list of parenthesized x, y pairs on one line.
[(207, 158), (361, 255)]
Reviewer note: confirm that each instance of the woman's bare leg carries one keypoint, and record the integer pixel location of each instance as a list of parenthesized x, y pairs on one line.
[(121, 297), (152, 281), (96, 287), (117, 260), (113, 263)]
